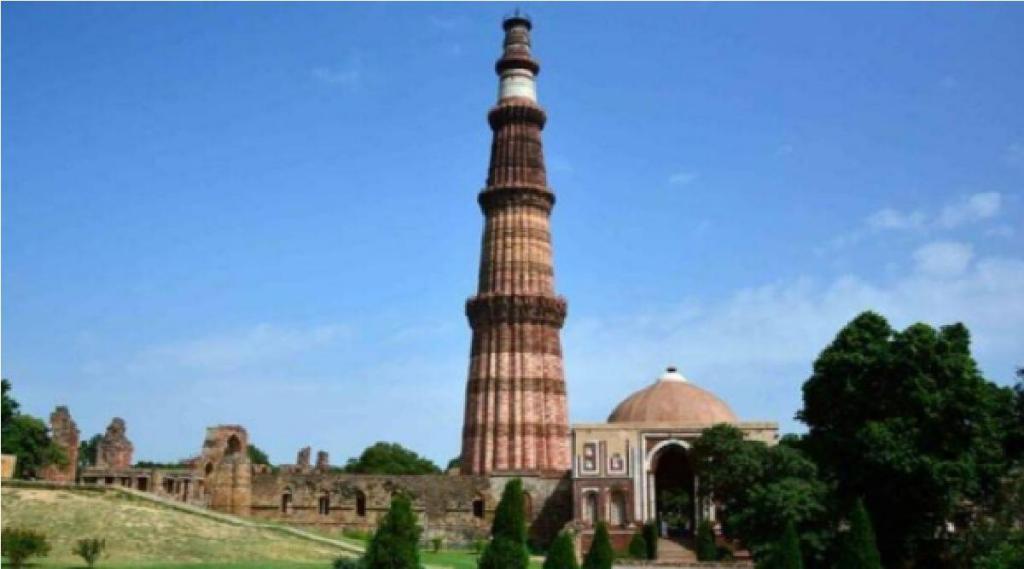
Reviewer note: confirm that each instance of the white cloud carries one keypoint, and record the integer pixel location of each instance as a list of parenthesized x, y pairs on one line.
[(1014, 154), (971, 209), (967, 210), (755, 347), (889, 218), (682, 178), (347, 75), (243, 348), (943, 258)]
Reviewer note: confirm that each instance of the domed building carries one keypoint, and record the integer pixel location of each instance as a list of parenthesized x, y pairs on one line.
[(636, 467)]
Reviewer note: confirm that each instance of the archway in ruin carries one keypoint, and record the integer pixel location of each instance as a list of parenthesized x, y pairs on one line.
[(674, 489)]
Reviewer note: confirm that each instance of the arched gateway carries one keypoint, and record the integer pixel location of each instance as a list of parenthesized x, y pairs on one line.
[(637, 467)]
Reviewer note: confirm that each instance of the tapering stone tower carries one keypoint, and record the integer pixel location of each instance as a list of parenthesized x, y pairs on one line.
[(516, 419)]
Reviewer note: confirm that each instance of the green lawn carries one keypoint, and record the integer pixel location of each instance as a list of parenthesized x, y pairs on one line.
[(140, 533), (145, 535)]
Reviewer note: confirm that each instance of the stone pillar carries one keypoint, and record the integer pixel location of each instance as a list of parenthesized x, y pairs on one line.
[(64, 433), (515, 414), (323, 461), (115, 450)]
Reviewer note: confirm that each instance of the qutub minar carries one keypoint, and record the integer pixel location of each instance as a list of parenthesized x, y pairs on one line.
[(516, 422), (516, 418)]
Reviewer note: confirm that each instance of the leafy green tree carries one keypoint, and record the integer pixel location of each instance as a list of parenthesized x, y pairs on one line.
[(507, 548), (390, 458), (562, 554), (707, 549), (26, 437), (638, 546), (601, 555), (395, 545), (454, 463), (19, 545), (650, 532), (858, 549), (87, 450), (257, 456), (906, 421), (786, 554), (760, 488), (89, 549)]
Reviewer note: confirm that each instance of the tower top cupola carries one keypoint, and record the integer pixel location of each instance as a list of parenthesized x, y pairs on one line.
[(516, 66)]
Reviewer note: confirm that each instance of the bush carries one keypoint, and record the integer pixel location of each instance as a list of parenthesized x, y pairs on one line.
[(479, 545), (786, 553), (357, 534), (562, 554), (507, 549), (651, 539), (858, 549), (706, 548), (601, 554), (638, 546), (348, 563), (18, 545), (396, 543), (89, 549)]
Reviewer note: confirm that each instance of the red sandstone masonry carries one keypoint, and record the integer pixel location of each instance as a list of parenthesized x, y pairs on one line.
[(515, 415)]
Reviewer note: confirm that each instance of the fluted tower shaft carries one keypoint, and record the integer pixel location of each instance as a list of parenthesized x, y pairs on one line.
[(516, 418)]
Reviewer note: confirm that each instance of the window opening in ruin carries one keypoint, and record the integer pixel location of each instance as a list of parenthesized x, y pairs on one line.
[(590, 511), (209, 468), (168, 485), (324, 505), (618, 507), (143, 485), (286, 501), (478, 508), (184, 490), (360, 504), (234, 446)]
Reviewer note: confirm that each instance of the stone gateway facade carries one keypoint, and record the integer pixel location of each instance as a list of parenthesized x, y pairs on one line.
[(631, 470)]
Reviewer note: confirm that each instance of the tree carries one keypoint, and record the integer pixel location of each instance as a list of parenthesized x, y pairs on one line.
[(395, 543), (707, 549), (507, 548), (454, 463), (786, 554), (638, 546), (562, 554), (26, 437), (87, 450), (89, 549), (601, 555), (18, 545), (390, 458), (858, 549), (650, 532), (760, 488), (257, 456), (918, 432)]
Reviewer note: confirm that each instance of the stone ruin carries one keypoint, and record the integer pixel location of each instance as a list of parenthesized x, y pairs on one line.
[(323, 461), (115, 450), (302, 459), (64, 433)]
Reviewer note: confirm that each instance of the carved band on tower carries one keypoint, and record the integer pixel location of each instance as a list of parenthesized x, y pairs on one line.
[(516, 418)]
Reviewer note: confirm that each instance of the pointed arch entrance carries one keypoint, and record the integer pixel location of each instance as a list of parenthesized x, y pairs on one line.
[(672, 488)]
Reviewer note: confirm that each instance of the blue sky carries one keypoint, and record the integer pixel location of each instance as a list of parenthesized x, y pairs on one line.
[(265, 214)]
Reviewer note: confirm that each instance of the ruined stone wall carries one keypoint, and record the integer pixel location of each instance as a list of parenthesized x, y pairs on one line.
[(225, 469), (64, 433), (333, 500), (115, 450)]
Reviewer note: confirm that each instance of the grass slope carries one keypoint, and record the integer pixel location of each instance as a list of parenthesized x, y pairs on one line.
[(140, 533)]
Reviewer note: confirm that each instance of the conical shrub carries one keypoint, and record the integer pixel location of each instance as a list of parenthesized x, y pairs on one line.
[(858, 548), (601, 554), (562, 554)]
